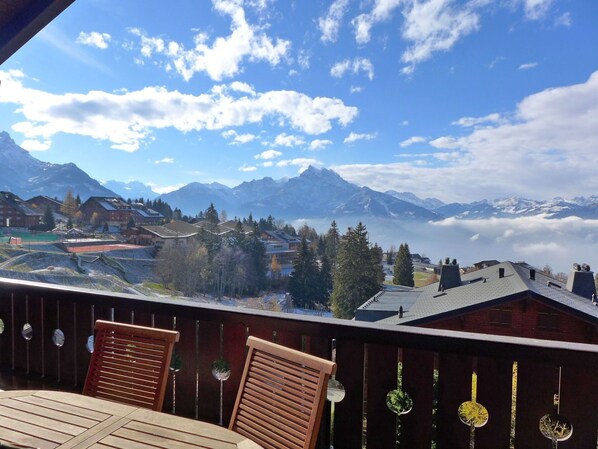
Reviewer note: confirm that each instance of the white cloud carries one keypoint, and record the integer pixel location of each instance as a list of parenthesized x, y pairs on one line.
[(331, 22), (127, 119), (529, 65), (536, 9), (381, 11), (268, 154), (355, 89), (319, 144), (36, 145), (303, 60), (247, 168), (94, 39), (354, 137), (354, 66), (496, 61), (302, 163), (564, 20), (166, 160), (412, 140), (474, 121), (223, 57), (268, 164), (545, 148), (238, 138), (288, 140), (436, 25)]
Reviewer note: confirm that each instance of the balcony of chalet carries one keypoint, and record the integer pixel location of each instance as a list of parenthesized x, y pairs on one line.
[(436, 368)]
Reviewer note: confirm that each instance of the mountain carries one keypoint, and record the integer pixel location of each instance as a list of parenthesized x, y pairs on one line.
[(315, 193), (428, 203), (133, 189), (514, 207), (27, 176)]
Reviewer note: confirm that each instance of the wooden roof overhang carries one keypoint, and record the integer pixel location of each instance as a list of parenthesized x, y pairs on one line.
[(20, 20)]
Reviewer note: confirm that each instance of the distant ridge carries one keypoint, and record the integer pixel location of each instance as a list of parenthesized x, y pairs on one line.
[(27, 176)]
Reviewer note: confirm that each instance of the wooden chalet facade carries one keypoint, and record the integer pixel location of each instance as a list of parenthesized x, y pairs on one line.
[(98, 210), (41, 203), (16, 213), (510, 299)]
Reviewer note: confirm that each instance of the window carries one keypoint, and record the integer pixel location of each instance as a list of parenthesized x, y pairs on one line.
[(549, 321), (501, 316)]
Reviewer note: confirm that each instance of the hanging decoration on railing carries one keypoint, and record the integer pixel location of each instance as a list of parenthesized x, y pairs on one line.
[(221, 370), (472, 413), (27, 331), (335, 391), (555, 426), (89, 344), (58, 338), (399, 402)]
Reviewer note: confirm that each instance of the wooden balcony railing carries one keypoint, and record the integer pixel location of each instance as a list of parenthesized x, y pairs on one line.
[(437, 367)]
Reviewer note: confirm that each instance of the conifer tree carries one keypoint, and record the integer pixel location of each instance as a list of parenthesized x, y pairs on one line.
[(49, 222), (403, 267), (304, 282), (332, 242), (358, 273)]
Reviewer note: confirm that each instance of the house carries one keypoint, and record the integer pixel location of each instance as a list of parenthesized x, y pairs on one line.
[(512, 299), (143, 215), (41, 203), (16, 213), (98, 210), (160, 236), (283, 247)]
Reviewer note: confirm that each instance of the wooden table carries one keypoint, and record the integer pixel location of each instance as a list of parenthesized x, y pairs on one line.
[(55, 419)]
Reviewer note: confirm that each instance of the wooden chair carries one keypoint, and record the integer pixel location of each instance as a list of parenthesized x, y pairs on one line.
[(281, 396), (130, 364)]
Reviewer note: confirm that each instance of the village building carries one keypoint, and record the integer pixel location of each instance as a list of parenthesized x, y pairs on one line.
[(160, 236), (512, 299), (98, 210), (41, 203), (16, 213)]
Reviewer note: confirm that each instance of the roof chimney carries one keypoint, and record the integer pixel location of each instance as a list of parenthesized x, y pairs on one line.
[(400, 311), (532, 274), (581, 281), (450, 275), (501, 273)]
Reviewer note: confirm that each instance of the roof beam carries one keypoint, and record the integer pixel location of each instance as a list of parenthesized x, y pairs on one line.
[(26, 19)]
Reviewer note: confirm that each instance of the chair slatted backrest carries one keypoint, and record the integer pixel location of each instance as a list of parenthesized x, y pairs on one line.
[(281, 396), (130, 364)]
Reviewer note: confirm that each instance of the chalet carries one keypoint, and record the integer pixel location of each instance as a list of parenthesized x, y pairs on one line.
[(283, 247), (173, 233), (98, 210), (512, 299), (41, 203), (16, 213), (143, 215)]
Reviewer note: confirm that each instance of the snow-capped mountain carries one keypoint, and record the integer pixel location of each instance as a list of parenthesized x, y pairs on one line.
[(27, 176), (133, 189)]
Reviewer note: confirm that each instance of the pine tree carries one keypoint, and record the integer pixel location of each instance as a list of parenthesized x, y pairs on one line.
[(211, 215), (49, 222), (358, 273), (332, 242), (304, 282), (403, 267)]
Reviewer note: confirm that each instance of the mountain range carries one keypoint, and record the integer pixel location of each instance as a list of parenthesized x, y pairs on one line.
[(315, 193), (27, 176)]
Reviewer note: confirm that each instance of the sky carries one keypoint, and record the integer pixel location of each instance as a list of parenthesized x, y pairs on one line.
[(457, 100)]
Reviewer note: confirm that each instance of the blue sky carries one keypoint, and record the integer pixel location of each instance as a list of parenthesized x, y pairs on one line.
[(459, 100)]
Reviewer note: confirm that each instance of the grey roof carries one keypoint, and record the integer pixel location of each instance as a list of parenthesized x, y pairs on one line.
[(17, 203), (481, 288), (173, 230)]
